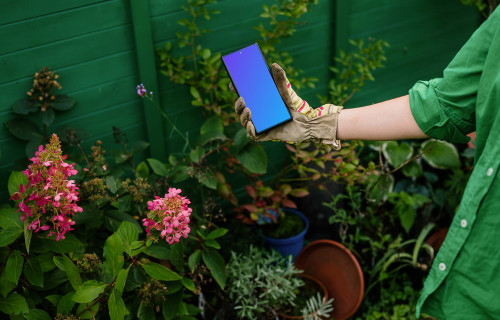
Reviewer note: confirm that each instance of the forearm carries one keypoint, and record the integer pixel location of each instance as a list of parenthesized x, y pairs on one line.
[(388, 120)]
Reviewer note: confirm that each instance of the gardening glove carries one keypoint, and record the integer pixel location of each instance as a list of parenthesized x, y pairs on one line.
[(307, 124)]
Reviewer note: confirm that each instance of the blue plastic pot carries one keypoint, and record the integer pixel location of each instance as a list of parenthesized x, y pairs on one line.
[(292, 245)]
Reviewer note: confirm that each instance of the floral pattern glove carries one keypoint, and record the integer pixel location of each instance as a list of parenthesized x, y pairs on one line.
[(307, 124)]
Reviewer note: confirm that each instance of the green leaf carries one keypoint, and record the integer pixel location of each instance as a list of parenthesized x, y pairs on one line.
[(14, 266), (119, 156), (54, 299), (27, 236), (241, 139), (158, 167), (157, 251), (208, 179), (121, 279), (217, 233), (442, 154), (111, 184), (9, 235), (407, 218), (63, 103), (69, 244), (196, 154), (16, 179), (37, 314), (33, 144), (215, 263), (188, 283), (177, 255), (253, 158), (397, 153), (145, 312), (159, 272), (6, 286), (71, 271), (24, 107), (212, 129), (65, 304), (116, 306), (212, 243), (195, 93), (142, 170), (89, 313), (139, 146), (171, 305), (14, 304), (206, 53), (9, 218), (137, 247), (89, 291), (22, 128), (128, 233), (113, 255), (33, 272), (412, 169), (48, 116), (194, 259)]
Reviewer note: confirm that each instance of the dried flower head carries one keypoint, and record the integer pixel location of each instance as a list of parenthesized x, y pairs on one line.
[(49, 199), (168, 217), (44, 82)]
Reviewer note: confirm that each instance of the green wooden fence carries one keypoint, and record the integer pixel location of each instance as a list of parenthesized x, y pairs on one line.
[(103, 48)]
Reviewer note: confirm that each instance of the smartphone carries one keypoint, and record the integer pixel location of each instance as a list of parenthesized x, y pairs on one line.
[(253, 81)]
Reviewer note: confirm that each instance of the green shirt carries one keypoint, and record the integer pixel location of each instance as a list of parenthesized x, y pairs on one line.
[(464, 281)]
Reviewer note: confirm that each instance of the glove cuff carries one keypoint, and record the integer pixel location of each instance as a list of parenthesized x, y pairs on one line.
[(324, 126)]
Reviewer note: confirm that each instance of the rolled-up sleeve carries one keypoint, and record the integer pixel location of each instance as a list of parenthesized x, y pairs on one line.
[(445, 108)]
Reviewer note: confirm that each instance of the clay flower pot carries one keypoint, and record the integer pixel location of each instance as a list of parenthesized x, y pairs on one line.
[(338, 270)]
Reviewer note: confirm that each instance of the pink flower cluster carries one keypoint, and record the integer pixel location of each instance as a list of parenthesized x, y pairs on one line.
[(168, 216), (49, 199)]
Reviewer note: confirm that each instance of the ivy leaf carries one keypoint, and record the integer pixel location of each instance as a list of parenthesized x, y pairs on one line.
[(397, 153), (253, 158), (159, 272), (215, 263), (14, 304)]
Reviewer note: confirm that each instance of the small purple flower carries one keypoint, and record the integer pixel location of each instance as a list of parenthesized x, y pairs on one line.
[(141, 90)]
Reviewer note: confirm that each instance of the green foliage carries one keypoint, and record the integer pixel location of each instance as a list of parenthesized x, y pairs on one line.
[(485, 7)]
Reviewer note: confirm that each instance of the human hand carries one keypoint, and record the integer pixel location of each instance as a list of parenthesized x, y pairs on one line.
[(307, 124)]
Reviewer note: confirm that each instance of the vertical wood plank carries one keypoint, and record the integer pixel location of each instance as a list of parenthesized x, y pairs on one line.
[(147, 74), (341, 25)]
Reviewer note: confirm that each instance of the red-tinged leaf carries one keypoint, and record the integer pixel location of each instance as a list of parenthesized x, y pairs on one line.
[(289, 147), (285, 189), (299, 193), (251, 191), (275, 199), (316, 176), (250, 207), (289, 204), (266, 192), (244, 219)]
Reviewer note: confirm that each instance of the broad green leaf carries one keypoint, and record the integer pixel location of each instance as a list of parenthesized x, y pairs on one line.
[(206, 53), (72, 272), (48, 116), (194, 259), (241, 140), (157, 251), (24, 107), (215, 263), (6, 285), (397, 153), (9, 235), (65, 304), (37, 314), (146, 312), (195, 93), (407, 218), (16, 179), (442, 154), (253, 158), (33, 271), (212, 124), (177, 255), (142, 170), (208, 179), (128, 233), (113, 255), (9, 218), (89, 291), (14, 304), (412, 169), (379, 187), (171, 305), (159, 272), (111, 184), (158, 167), (14, 266), (88, 313), (212, 243), (196, 154), (22, 128), (121, 279), (188, 283), (137, 247), (116, 306), (54, 299), (63, 103), (139, 146), (119, 156), (69, 244), (217, 233)]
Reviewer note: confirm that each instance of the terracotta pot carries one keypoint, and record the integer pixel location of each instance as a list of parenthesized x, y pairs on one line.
[(324, 293), (338, 270), (436, 239)]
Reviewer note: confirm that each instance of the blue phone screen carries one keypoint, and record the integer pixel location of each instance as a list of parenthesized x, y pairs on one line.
[(253, 81)]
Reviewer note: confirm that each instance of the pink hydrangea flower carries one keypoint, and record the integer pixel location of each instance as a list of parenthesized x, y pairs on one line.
[(168, 217), (49, 200)]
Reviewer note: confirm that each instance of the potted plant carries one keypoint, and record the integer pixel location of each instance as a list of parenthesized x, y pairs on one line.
[(263, 285), (275, 216)]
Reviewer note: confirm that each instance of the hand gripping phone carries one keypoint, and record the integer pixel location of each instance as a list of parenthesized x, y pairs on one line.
[(253, 81)]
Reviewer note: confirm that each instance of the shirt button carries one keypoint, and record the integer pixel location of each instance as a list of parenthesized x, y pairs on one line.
[(489, 172), (442, 266), (463, 223)]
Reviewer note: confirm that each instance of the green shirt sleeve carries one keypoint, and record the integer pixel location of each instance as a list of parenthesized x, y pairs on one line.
[(444, 108)]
